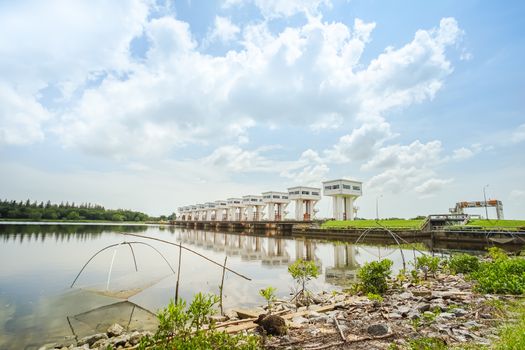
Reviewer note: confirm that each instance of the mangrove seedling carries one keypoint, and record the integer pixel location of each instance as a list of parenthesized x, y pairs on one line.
[(303, 271), (373, 276), (269, 295)]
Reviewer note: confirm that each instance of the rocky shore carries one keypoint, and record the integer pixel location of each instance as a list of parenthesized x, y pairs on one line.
[(443, 307)]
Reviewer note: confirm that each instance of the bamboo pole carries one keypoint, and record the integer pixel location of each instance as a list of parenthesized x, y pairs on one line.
[(222, 283)]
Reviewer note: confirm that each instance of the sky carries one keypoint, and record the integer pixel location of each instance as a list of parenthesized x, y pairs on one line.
[(151, 105)]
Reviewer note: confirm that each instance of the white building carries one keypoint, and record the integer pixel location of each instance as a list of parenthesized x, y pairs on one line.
[(201, 212), (276, 203), (210, 211), (221, 210), (235, 209), (254, 208), (305, 199), (344, 193), (194, 213)]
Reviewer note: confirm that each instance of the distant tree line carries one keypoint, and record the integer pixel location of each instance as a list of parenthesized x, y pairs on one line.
[(68, 211)]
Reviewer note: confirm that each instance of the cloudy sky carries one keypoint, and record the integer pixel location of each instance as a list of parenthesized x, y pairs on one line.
[(154, 105)]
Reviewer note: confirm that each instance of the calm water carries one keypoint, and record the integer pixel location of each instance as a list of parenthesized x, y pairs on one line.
[(38, 263)]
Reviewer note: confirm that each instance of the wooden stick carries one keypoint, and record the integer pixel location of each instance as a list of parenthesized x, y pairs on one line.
[(222, 284), (339, 329)]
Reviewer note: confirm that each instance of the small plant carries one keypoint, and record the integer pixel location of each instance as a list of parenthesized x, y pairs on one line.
[(269, 295), (427, 343), (375, 298), (303, 271), (373, 276), (182, 327), (496, 253), (427, 264), (415, 276), (463, 263)]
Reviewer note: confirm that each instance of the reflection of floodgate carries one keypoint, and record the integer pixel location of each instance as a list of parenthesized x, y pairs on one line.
[(345, 265)]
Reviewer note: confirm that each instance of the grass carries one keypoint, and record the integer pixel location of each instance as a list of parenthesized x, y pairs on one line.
[(392, 224), (497, 223)]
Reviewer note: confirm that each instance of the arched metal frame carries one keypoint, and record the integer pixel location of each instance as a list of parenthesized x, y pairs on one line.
[(132, 253)]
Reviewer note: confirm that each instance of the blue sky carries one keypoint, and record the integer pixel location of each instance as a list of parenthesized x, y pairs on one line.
[(154, 105)]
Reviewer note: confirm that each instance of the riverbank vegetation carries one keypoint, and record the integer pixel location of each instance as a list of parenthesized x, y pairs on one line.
[(34, 211), (461, 302), (388, 223)]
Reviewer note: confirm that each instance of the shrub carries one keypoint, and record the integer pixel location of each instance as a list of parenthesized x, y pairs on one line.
[(427, 263), (269, 295), (373, 276), (182, 327), (496, 253), (376, 298), (463, 263), (501, 276)]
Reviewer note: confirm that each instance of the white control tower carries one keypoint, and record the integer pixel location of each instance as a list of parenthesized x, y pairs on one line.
[(221, 210), (344, 193), (235, 209), (254, 208), (276, 203), (305, 199)]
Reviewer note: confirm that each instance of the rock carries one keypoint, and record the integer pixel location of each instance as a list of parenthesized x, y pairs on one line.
[(91, 339), (377, 330), (405, 296), (459, 312), (245, 313), (121, 340), (444, 316), (299, 320), (472, 324), (231, 314), (83, 347), (422, 293), (394, 315), (272, 324), (423, 307), (115, 330), (135, 338), (403, 310), (100, 344), (218, 318)]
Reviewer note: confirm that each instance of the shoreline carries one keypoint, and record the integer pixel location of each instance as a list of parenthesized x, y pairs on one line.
[(443, 307)]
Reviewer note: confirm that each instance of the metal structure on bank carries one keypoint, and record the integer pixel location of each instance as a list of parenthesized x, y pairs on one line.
[(272, 205)]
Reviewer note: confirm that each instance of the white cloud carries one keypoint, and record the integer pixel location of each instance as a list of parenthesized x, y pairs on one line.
[(407, 167), (177, 95), (519, 134), (462, 153), (224, 30), (431, 186), (361, 144), (21, 118), (279, 8)]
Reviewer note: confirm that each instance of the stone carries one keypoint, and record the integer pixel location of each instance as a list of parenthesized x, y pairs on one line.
[(394, 315), (91, 339), (115, 330), (121, 340), (218, 318), (405, 295), (299, 320), (423, 307), (272, 324), (135, 338), (245, 313), (422, 293), (459, 312), (377, 329), (403, 310)]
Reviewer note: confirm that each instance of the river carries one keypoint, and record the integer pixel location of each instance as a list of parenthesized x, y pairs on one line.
[(39, 262)]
